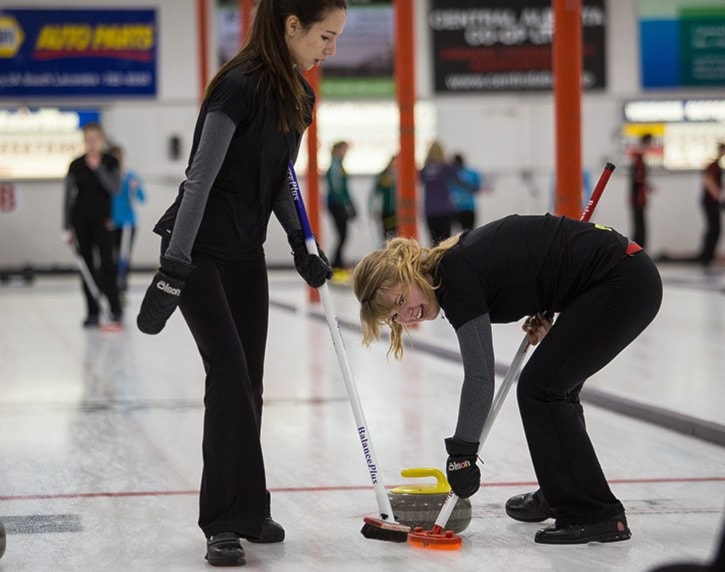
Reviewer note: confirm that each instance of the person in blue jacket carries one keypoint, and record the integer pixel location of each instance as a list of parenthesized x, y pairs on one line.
[(124, 215), (463, 197)]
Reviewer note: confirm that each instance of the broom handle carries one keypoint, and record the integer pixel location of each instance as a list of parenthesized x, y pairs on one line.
[(86, 274), (384, 507), (513, 373)]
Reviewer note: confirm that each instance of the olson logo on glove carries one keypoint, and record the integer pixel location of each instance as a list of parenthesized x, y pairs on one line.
[(164, 287), (454, 466)]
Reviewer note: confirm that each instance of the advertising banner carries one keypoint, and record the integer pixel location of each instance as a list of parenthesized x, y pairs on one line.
[(682, 43), (505, 45), (51, 53), (41, 143), (362, 68)]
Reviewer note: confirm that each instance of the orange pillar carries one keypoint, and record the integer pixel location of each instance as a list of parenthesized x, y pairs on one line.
[(567, 66), (312, 202), (202, 23), (405, 96), (246, 11)]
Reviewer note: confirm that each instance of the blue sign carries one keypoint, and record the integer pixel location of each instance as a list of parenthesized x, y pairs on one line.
[(684, 47), (51, 53)]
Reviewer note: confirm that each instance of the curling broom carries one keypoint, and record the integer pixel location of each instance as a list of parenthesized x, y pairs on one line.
[(93, 288), (385, 527)]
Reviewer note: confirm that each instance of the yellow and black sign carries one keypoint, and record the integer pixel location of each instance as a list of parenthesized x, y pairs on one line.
[(77, 52)]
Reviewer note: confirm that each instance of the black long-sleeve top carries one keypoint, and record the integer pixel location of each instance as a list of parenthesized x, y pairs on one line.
[(237, 175), (506, 270), (89, 193)]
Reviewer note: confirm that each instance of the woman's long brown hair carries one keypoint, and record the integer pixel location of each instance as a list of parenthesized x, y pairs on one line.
[(266, 55)]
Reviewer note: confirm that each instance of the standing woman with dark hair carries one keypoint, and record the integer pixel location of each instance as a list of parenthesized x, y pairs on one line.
[(212, 264)]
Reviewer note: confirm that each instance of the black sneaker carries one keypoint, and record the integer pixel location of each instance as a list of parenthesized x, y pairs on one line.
[(271, 532), (529, 507), (224, 549), (611, 530), (91, 321)]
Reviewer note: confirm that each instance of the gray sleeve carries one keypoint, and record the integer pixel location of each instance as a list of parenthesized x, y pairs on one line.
[(476, 343), (110, 179), (285, 210), (210, 153)]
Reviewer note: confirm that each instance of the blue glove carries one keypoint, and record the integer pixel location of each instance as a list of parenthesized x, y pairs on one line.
[(463, 473), (162, 296)]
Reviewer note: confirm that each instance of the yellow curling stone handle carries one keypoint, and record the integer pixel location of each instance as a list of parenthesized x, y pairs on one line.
[(441, 485)]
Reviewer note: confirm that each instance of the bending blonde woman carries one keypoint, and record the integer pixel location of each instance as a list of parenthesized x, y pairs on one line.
[(606, 289)]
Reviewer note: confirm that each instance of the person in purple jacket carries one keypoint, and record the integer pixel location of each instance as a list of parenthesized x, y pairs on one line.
[(436, 177)]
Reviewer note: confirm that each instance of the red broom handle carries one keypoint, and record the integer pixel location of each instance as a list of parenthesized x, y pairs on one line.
[(598, 190)]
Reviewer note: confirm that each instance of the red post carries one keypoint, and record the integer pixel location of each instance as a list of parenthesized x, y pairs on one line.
[(202, 23), (312, 202), (567, 66), (405, 95), (246, 12)]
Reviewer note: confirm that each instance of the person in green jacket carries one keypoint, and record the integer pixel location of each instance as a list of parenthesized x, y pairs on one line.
[(382, 199), (339, 202)]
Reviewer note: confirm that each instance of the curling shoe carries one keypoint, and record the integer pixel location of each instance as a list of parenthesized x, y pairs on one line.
[(529, 507), (224, 549), (92, 321), (611, 530), (271, 532)]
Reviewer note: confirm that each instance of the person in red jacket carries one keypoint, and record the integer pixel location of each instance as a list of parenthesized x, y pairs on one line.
[(639, 189), (711, 203)]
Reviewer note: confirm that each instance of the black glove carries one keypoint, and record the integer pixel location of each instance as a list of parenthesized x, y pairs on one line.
[(314, 269), (162, 296), (463, 473)]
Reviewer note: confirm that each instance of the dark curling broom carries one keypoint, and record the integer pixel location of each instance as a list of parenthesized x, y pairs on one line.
[(438, 538), (385, 527)]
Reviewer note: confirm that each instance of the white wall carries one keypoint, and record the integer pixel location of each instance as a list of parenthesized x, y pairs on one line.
[(506, 136)]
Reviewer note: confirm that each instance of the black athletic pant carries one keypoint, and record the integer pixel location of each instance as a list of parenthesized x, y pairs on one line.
[(466, 219), (585, 337), (389, 226), (639, 227), (93, 236), (226, 306), (118, 248), (711, 236), (339, 216), (439, 227)]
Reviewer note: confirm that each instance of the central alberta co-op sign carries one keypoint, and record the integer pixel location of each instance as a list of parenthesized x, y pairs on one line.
[(77, 52)]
